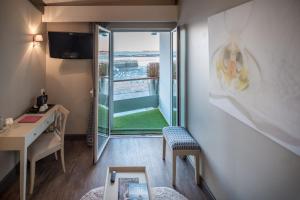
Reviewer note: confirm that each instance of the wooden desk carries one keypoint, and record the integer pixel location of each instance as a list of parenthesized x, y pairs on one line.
[(19, 137)]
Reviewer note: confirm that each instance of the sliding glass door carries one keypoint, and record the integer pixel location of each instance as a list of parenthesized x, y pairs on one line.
[(102, 89)]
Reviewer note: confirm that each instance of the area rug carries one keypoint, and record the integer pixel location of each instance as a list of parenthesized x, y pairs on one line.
[(159, 193)]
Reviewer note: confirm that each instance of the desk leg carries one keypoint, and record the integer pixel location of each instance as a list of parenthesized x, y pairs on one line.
[(23, 173)]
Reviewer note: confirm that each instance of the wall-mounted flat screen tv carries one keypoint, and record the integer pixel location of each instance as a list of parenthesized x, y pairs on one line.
[(69, 45)]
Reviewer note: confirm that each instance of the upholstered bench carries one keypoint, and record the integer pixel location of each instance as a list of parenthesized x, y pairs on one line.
[(181, 143)]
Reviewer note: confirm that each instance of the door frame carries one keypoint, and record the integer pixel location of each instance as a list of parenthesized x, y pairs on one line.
[(96, 152), (182, 67), (177, 77), (181, 117), (180, 75)]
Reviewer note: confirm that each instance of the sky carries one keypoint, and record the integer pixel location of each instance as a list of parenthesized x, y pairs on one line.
[(136, 41)]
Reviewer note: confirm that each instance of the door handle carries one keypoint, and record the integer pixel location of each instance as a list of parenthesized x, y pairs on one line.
[(92, 92)]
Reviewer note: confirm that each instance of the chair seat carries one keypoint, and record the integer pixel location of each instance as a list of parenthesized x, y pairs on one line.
[(178, 138), (45, 145)]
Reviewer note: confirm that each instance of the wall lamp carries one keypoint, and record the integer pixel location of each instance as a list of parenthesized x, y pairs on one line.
[(37, 39)]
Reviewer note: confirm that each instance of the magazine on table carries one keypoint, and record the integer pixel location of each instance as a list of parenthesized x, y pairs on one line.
[(138, 191), (131, 189), (123, 187)]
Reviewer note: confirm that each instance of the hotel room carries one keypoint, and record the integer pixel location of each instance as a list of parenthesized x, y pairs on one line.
[(149, 99)]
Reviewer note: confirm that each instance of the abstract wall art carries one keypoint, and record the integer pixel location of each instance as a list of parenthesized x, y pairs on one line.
[(254, 54)]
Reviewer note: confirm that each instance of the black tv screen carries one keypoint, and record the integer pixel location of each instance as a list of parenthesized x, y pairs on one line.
[(68, 45)]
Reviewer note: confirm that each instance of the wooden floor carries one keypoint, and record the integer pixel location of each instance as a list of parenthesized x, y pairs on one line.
[(82, 175)]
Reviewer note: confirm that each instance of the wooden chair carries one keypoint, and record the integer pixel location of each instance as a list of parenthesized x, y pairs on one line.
[(182, 144), (49, 143)]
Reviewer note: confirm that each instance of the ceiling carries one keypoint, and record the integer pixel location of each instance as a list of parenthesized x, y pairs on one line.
[(40, 4), (107, 2)]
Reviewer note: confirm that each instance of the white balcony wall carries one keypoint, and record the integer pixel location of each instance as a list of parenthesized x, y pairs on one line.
[(165, 76)]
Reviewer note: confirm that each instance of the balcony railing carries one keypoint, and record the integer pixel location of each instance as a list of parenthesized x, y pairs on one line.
[(131, 94), (136, 87)]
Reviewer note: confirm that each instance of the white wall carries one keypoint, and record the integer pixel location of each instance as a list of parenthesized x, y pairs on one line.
[(165, 76), (68, 82), (22, 67), (239, 162)]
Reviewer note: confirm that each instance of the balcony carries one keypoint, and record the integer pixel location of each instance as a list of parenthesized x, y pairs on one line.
[(141, 82), (135, 105)]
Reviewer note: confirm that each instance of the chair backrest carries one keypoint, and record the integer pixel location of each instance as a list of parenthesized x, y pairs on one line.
[(61, 116)]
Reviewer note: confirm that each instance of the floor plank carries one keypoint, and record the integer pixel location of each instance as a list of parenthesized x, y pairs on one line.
[(82, 175)]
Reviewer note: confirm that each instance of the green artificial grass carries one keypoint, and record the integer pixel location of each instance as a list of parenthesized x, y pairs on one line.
[(146, 120), (102, 118)]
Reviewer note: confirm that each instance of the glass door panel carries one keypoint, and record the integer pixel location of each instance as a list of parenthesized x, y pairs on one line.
[(174, 79), (102, 73), (182, 76)]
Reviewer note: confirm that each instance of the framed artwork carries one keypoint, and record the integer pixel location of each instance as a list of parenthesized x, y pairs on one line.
[(255, 67)]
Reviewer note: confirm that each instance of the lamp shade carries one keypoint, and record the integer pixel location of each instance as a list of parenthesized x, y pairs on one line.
[(38, 38)]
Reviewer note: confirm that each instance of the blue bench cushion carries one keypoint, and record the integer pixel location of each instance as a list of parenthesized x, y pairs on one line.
[(178, 138)]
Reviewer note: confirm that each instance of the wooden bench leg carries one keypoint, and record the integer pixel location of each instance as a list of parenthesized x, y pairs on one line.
[(197, 168), (164, 149), (174, 168)]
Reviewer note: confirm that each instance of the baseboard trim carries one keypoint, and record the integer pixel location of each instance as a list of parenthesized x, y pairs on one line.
[(72, 137), (10, 178), (203, 185)]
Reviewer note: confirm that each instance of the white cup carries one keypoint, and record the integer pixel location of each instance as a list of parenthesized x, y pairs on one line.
[(42, 108), (9, 122)]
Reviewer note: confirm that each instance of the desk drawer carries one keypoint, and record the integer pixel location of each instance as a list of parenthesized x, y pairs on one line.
[(39, 129)]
